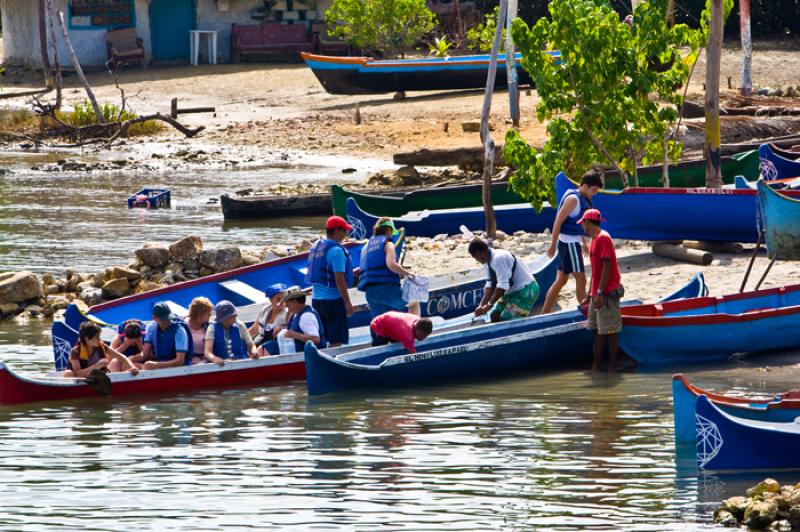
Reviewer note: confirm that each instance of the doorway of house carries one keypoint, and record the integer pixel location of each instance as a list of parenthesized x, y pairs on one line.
[(170, 24)]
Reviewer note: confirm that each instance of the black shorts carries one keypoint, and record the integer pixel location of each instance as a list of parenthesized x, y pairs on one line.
[(333, 314), (570, 257)]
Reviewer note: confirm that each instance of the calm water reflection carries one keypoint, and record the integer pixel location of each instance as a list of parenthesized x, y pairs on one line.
[(559, 451)]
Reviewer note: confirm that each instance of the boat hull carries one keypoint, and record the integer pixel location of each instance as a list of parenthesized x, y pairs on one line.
[(17, 389), (684, 397), (706, 329), (653, 214), (360, 75), (549, 342), (510, 218), (780, 220), (774, 166), (727, 443), (244, 207)]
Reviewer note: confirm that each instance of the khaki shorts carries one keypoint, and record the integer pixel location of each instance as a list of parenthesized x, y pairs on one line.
[(607, 319)]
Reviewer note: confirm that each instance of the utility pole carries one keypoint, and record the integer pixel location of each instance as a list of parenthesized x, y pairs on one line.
[(511, 64), (713, 58)]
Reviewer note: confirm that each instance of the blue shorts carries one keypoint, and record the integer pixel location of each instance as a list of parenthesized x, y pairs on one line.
[(334, 319), (382, 298), (570, 257)]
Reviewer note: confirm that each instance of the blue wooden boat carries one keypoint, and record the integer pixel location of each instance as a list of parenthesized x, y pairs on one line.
[(774, 166), (779, 216), (451, 295), (705, 329), (715, 215), (728, 443), (363, 75), (780, 408), (510, 218), (150, 198), (548, 342)]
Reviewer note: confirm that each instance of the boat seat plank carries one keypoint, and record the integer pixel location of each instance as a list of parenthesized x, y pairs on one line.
[(177, 309), (244, 290)]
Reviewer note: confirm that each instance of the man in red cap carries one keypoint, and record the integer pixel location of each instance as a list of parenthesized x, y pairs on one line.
[(605, 291), (330, 273)]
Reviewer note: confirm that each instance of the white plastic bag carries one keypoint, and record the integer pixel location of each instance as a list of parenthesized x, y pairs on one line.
[(415, 289), (285, 345)]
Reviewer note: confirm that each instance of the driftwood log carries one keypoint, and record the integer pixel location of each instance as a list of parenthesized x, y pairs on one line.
[(676, 252), (715, 247)]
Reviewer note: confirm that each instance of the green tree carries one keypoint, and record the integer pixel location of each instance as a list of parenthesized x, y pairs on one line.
[(611, 96), (388, 26)]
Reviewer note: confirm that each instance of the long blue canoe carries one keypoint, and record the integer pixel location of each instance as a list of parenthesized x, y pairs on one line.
[(780, 220), (714, 215), (781, 408), (707, 329), (363, 75), (728, 443), (774, 166), (450, 296), (510, 218), (553, 341)]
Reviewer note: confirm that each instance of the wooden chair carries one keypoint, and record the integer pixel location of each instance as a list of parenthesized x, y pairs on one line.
[(124, 47), (326, 44)]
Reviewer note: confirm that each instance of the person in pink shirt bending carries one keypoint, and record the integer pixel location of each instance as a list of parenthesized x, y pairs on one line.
[(399, 327)]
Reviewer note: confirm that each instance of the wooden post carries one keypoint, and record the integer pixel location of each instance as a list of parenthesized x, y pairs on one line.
[(747, 47), (511, 65), (713, 58), (486, 137), (665, 167), (51, 32), (78, 70), (48, 74)]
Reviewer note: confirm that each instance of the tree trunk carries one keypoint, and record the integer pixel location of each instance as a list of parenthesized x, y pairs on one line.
[(665, 167), (48, 74), (486, 137), (712, 133), (671, 13), (511, 70), (78, 70), (51, 32), (747, 47)]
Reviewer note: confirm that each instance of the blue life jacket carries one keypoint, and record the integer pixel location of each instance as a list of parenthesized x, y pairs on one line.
[(373, 264), (570, 225), (164, 345), (132, 350), (237, 348), (294, 325), (319, 271)]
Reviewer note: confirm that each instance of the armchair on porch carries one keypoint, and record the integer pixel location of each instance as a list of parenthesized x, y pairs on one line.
[(124, 47), (325, 43)]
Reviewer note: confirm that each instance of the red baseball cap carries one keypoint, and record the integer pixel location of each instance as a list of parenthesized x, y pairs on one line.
[(337, 222), (591, 214)]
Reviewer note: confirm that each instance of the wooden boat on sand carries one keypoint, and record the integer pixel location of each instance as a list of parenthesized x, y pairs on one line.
[(779, 218), (775, 166), (780, 408)]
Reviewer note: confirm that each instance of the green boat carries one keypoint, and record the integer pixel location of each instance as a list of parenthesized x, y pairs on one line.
[(685, 174)]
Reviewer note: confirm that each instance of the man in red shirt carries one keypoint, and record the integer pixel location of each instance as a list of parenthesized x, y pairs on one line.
[(400, 327), (605, 291)]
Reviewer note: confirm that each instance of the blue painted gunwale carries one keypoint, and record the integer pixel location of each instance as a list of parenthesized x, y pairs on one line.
[(780, 220), (550, 342), (774, 166), (728, 443), (684, 396), (510, 218), (705, 329), (653, 214)]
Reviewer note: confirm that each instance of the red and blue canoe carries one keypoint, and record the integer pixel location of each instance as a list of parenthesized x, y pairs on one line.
[(363, 75), (781, 407), (775, 165), (705, 329)]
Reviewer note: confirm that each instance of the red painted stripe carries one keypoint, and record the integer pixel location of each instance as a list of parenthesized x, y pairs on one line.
[(732, 400)]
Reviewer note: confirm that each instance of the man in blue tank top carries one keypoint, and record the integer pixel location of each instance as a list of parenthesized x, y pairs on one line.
[(165, 341), (330, 273), (569, 239)]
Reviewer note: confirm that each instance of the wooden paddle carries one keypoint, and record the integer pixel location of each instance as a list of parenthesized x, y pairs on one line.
[(99, 381)]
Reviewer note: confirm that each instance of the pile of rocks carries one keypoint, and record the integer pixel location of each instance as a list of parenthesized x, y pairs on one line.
[(155, 265), (768, 506)]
